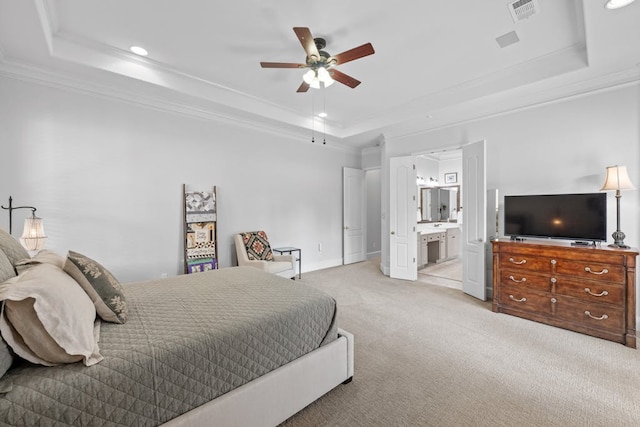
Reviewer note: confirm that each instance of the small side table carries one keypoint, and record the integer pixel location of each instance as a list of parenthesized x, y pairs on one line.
[(289, 250)]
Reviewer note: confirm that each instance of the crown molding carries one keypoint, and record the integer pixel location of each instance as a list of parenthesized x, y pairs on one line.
[(48, 78), (532, 99)]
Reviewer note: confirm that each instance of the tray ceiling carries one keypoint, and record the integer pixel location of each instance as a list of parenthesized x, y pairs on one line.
[(436, 63)]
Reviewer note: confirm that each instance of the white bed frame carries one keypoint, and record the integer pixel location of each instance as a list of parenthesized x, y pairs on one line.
[(276, 396)]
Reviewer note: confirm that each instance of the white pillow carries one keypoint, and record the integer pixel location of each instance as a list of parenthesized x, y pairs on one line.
[(48, 318), (43, 257)]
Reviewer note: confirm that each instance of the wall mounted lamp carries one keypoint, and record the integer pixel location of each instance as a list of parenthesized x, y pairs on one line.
[(33, 233), (617, 179)]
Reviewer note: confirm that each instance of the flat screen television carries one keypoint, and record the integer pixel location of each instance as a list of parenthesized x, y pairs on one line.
[(579, 217)]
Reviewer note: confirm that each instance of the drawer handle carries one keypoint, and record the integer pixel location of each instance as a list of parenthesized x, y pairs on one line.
[(511, 297), (603, 317), (588, 270), (524, 261), (513, 279), (601, 294)]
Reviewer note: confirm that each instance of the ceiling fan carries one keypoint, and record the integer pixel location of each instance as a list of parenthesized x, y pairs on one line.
[(320, 63)]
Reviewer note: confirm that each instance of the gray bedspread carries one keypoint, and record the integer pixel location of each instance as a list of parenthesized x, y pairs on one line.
[(188, 340)]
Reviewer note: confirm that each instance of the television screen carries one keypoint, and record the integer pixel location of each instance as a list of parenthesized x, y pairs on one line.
[(557, 216)]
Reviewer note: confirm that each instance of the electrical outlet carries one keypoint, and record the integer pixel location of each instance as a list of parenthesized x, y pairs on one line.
[(319, 247), (163, 275)]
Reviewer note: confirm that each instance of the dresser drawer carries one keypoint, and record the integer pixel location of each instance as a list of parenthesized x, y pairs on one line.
[(591, 291), (517, 297), (592, 270), (432, 237), (599, 316), (525, 262), (525, 280)]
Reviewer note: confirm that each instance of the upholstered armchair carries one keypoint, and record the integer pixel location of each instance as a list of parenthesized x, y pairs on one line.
[(253, 249)]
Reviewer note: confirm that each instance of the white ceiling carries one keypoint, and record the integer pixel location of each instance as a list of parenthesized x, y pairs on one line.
[(436, 63)]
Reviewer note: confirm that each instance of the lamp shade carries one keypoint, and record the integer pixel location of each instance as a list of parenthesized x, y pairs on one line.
[(33, 234), (617, 179)]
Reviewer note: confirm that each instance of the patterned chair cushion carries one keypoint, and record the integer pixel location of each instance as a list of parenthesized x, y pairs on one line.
[(105, 291), (257, 244)]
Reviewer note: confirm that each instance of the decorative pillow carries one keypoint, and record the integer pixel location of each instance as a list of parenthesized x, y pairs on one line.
[(105, 291), (7, 271), (257, 245), (48, 319), (43, 257), (12, 248)]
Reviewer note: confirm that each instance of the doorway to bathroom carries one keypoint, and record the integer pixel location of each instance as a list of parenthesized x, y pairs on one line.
[(440, 218)]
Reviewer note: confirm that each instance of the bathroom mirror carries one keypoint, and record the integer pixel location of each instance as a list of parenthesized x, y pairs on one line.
[(440, 203)]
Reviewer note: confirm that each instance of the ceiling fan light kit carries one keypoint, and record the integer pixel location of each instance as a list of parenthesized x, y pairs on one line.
[(317, 78), (320, 63)]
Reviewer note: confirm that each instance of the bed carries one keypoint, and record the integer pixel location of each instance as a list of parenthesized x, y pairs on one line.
[(236, 346)]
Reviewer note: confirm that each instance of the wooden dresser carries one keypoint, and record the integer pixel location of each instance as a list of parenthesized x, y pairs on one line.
[(585, 289)]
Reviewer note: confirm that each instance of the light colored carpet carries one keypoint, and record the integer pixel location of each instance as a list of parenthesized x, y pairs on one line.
[(432, 356), (451, 269)]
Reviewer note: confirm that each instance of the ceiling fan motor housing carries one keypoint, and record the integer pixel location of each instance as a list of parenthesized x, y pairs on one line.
[(325, 60), (320, 43)]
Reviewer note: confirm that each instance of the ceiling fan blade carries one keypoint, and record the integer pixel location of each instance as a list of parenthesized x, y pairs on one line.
[(281, 65), (343, 78), (306, 39), (355, 53), (303, 87)]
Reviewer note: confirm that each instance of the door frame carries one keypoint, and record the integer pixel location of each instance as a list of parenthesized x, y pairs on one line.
[(386, 268)]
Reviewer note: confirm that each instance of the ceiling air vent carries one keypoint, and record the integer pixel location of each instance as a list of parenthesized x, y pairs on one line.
[(508, 39), (523, 9)]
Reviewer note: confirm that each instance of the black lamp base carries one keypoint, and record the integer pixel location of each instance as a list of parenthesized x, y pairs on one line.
[(615, 245), (618, 240)]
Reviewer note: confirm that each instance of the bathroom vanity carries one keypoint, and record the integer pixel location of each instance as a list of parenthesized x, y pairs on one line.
[(437, 242)]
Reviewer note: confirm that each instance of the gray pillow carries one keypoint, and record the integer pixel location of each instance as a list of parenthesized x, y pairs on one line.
[(6, 358), (105, 291), (12, 248), (6, 269)]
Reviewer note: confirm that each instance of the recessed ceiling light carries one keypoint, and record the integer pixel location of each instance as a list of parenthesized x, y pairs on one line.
[(139, 50), (323, 114), (617, 4)]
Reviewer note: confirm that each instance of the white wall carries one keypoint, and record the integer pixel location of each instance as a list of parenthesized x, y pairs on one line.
[(106, 177), (561, 147)]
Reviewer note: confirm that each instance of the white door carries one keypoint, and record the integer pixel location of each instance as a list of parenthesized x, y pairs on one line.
[(474, 226), (402, 219), (354, 216)]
